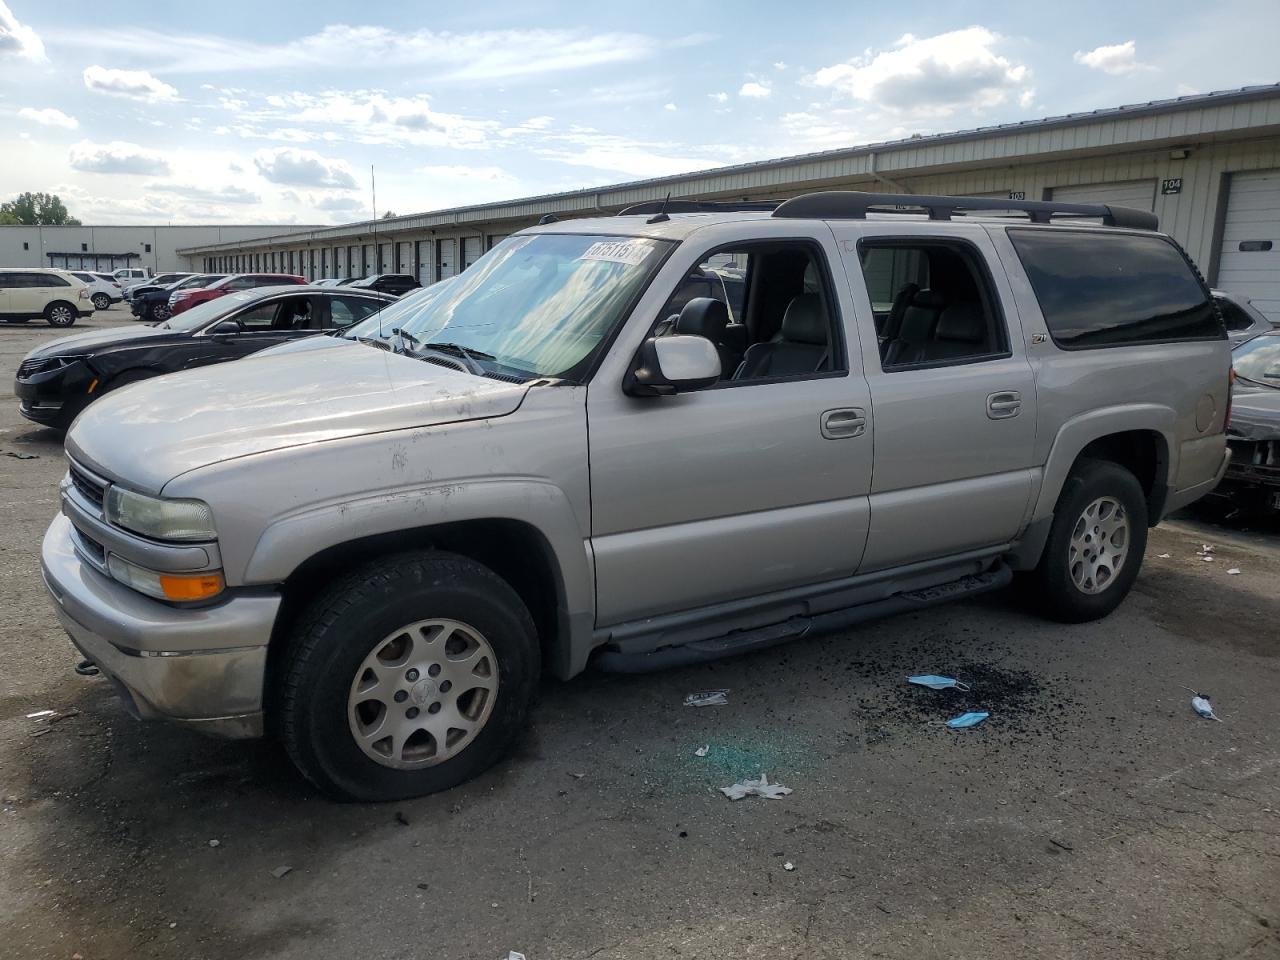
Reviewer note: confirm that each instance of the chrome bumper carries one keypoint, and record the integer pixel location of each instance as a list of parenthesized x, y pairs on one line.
[(199, 666)]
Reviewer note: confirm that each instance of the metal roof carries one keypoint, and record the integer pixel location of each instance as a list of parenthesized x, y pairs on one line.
[(1205, 114)]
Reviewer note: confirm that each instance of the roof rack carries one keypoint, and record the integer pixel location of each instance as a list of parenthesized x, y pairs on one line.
[(854, 205), (698, 206)]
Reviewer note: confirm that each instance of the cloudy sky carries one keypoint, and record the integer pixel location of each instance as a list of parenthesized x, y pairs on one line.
[(274, 112)]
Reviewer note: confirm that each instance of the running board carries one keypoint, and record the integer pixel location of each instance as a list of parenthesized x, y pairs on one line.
[(745, 641)]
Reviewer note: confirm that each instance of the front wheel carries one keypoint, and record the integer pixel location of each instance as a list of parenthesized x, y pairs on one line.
[(410, 676), (60, 315), (101, 301), (1095, 544)]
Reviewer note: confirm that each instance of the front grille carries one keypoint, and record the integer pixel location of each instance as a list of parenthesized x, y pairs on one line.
[(1255, 458), (92, 490)]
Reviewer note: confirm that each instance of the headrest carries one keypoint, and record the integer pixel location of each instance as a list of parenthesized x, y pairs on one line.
[(917, 324), (929, 300), (805, 321), (963, 322), (703, 317)]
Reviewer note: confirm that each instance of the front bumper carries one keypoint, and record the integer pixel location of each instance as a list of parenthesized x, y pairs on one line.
[(203, 667), (54, 397)]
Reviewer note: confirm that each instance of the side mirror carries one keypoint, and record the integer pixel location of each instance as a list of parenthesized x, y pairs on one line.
[(675, 364), (225, 328)]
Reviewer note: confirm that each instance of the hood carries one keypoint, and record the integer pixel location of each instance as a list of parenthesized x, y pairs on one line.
[(90, 340), (1255, 413), (158, 429)]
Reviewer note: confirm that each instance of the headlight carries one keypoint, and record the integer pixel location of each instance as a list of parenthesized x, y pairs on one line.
[(157, 518), (179, 587)]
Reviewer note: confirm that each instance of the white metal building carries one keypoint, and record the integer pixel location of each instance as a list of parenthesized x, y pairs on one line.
[(108, 248), (1207, 165)]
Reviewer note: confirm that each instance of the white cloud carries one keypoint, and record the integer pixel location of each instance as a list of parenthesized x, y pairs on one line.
[(930, 76), (17, 39), (669, 107), (132, 84), (335, 203), (303, 168), (779, 65), (753, 89), (720, 97), (49, 117), (462, 172), (477, 55), (116, 157), (227, 194), (1116, 59)]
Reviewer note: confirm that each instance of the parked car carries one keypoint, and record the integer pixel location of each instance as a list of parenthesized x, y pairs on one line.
[(56, 295), (329, 282), (161, 280), (1253, 432), (127, 275), (185, 299), (151, 303), (1243, 320), (395, 283), (103, 291), (57, 380), (375, 546)]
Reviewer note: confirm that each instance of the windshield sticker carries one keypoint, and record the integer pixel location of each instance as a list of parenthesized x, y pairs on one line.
[(630, 252)]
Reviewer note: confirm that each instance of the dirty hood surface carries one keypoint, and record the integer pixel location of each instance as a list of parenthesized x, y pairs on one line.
[(1255, 413), (155, 430)]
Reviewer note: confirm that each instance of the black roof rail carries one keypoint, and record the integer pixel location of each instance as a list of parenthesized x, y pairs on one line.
[(698, 206), (854, 205)]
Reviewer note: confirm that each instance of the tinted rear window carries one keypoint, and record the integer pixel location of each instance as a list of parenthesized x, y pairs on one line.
[(1112, 289)]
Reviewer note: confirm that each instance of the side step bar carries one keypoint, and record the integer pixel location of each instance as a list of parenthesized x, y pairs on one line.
[(744, 641)]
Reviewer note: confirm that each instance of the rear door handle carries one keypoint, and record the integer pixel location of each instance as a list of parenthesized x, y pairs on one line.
[(845, 422), (1003, 405)]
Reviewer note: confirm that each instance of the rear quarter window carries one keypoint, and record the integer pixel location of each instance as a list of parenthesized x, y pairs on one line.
[(1101, 289)]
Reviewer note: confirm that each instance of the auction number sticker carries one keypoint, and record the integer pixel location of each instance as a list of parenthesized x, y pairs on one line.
[(630, 252)]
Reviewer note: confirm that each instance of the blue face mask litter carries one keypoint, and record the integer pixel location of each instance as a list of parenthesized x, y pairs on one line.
[(966, 720), (937, 683)]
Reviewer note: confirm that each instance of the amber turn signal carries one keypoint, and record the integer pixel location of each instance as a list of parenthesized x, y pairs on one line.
[(187, 587)]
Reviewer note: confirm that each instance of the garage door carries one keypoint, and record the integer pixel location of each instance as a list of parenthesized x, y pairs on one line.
[(1139, 194), (1249, 261)]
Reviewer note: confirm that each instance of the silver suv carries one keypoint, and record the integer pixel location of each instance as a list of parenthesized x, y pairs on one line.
[(654, 439)]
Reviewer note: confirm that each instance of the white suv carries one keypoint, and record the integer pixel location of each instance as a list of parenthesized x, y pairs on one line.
[(55, 295), (103, 290)]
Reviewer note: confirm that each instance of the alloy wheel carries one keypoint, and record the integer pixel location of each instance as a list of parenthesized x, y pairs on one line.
[(1099, 545), (423, 694), (60, 315)]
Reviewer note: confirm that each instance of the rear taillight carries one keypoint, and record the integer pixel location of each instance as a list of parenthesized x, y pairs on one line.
[(84, 293)]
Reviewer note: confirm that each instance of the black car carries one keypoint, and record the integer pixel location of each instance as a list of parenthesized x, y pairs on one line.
[(151, 302), (396, 284), (59, 379)]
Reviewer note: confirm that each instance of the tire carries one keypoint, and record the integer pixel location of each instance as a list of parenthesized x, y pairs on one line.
[(1075, 581), (158, 313), (60, 314), (380, 623), (101, 301)]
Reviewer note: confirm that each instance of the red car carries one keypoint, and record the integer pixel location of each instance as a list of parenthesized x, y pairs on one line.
[(181, 300)]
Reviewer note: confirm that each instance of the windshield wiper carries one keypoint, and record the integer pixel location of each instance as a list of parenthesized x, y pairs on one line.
[(466, 354), (1258, 383)]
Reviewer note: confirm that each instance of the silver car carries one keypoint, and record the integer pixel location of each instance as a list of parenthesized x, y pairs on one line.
[(374, 545)]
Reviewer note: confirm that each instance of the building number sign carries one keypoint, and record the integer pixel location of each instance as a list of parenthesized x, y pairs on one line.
[(1171, 185)]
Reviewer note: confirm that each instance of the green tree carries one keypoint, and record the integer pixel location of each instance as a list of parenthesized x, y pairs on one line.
[(45, 209), (7, 219), (388, 215)]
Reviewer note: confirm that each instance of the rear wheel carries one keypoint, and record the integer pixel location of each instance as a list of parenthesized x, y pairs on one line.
[(101, 301), (159, 313), (411, 676), (60, 314), (1095, 544)]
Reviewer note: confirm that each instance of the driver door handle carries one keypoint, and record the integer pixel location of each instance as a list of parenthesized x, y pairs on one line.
[(844, 422)]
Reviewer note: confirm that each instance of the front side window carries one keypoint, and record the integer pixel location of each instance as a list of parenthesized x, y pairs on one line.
[(1258, 360), (932, 304), (205, 313), (771, 314), (534, 306), (1101, 289)]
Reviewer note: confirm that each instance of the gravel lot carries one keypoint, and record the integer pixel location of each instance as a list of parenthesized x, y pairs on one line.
[(1093, 816)]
